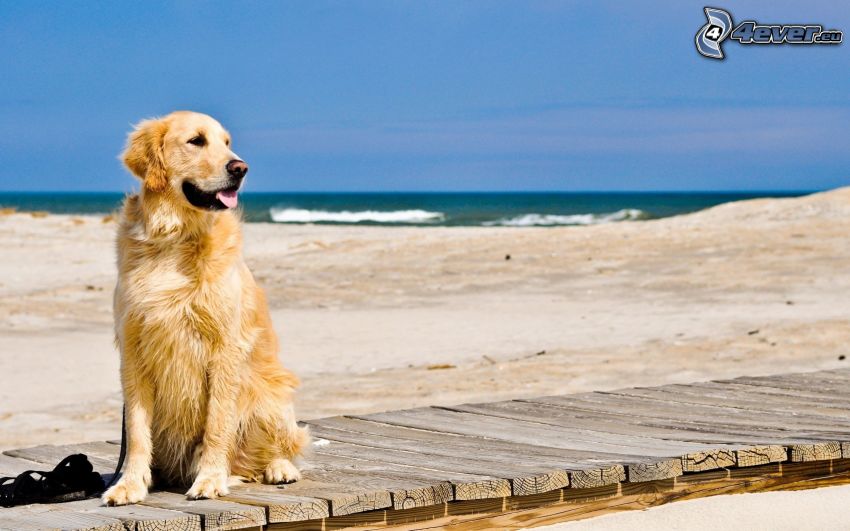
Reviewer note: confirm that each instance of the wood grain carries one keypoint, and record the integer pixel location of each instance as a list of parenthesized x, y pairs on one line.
[(708, 460), (815, 452), (761, 455), (654, 471)]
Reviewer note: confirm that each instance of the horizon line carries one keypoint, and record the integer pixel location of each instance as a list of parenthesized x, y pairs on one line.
[(364, 192)]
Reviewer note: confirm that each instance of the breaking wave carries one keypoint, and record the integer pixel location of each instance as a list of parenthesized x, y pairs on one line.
[(532, 220), (300, 215)]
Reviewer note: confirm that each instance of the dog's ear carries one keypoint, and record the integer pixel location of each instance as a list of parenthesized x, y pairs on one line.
[(144, 154)]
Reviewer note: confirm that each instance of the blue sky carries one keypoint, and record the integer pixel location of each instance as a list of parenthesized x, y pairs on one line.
[(450, 95)]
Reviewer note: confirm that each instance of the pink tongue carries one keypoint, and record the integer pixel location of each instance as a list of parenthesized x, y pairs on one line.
[(228, 197)]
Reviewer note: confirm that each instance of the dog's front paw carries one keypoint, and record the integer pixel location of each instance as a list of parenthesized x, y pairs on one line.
[(127, 490), (208, 485), (281, 471)]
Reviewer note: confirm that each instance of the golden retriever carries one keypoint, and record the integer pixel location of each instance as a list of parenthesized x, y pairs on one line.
[(206, 398)]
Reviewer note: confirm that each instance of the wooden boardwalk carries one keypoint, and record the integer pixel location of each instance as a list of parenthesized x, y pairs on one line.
[(513, 464)]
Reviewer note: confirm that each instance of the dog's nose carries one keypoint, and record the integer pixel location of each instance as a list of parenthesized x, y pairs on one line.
[(237, 168)]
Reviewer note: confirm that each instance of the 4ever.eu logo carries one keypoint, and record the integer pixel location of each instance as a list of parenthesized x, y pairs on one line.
[(709, 39)]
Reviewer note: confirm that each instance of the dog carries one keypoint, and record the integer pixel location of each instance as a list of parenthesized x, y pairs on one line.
[(207, 401)]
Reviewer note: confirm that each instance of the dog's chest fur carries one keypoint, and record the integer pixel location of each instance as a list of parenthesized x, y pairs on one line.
[(184, 300)]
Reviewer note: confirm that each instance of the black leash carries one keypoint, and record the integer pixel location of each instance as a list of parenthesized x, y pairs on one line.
[(123, 452), (72, 479)]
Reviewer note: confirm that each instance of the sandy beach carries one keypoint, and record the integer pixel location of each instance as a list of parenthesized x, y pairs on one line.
[(377, 318), (749, 288)]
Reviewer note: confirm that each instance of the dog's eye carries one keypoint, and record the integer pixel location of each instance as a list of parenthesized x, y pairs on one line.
[(199, 141)]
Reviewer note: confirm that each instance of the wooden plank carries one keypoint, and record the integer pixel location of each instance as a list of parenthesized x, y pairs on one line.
[(718, 429), (356, 484), (647, 469), (738, 405), (843, 372), (761, 455), (535, 413), (598, 477), (339, 499), (757, 414), (586, 469), (466, 486), (404, 493), (524, 479), (826, 391), (799, 383), (807, 394), (813, 399), (51, 455), (750, 399), (611, 422), (815, 452), (141, 517), (280, 506), (779, 426), (800, 387), (445, 445), (406, 488), (90, 514), (56, 517), (732, 424), (656, 471), (381, 435), (12, 466), (708, 460), (693, 462), (530, 432), (657, 463), (217, 515), (813, 405), (815, 428)]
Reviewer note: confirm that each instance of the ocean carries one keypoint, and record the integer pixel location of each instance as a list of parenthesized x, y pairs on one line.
[(424, 209)]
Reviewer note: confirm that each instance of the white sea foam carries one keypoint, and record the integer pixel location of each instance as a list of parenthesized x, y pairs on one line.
[(300, 215), (531, 220)]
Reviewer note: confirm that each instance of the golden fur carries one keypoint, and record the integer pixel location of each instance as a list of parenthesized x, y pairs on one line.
[(205, 395)]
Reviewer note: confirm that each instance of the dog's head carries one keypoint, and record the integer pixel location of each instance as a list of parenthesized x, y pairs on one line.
[(186, 155)]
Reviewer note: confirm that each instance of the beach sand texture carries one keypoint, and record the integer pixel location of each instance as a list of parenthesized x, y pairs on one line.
[(377, 318)]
